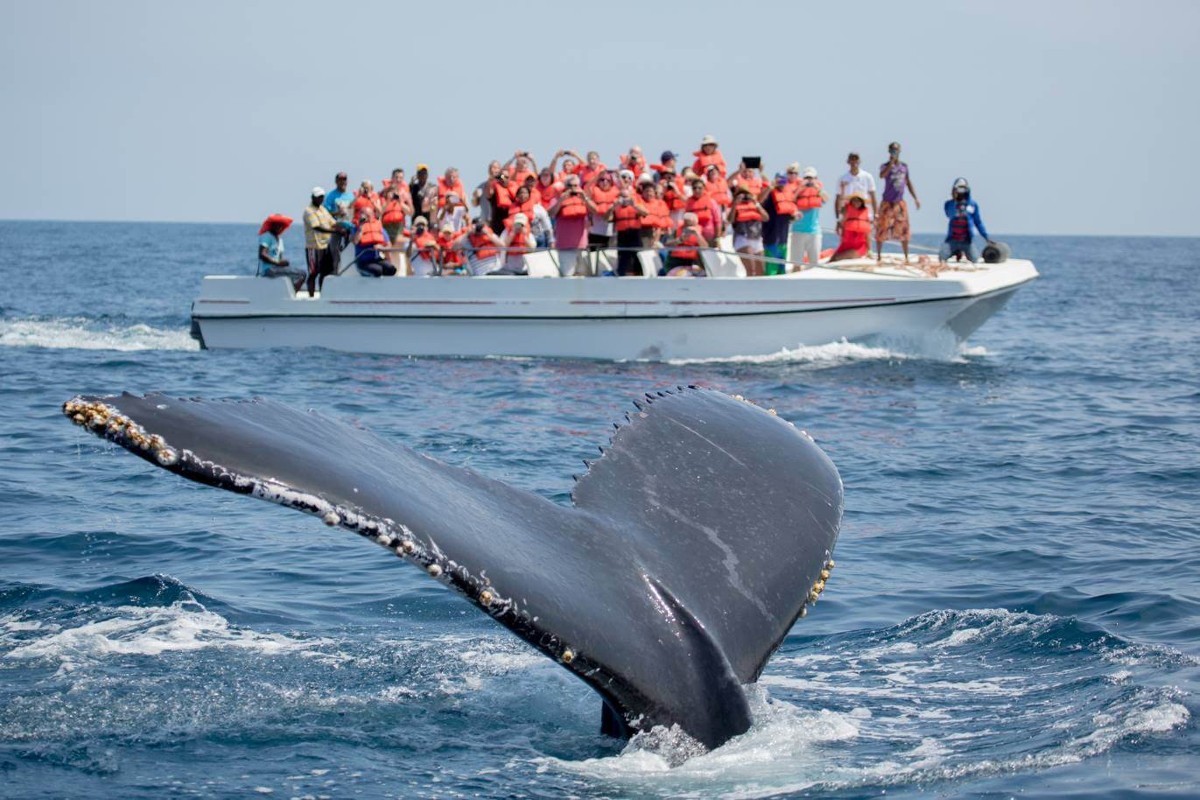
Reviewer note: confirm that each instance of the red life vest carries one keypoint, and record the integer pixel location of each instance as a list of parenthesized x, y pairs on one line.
[(809, 197), (483, 246), (702, 208), (785, 206), (753, 183), (747, 212), (573, 207), (586, 173), (393, 212), (857, 220), (627, 218), (604, 198), (450, 256), (525, 208), (685, 249), (446, 188), (960, 227), (548, 194), (503, 198), (718, 190), (700, 165), (371, 233), (659, 216), (673, 195), (426, 245), (520, 244)]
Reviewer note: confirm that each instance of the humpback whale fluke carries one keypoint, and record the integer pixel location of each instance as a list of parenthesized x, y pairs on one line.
[(697, 539)]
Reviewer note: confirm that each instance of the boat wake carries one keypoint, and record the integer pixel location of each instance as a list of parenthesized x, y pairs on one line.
[(80, 333), (933, 347)]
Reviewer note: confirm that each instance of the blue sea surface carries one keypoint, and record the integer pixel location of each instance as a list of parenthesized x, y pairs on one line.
[(1015, 610)]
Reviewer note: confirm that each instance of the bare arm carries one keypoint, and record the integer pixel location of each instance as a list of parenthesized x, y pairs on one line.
[(912, 191)]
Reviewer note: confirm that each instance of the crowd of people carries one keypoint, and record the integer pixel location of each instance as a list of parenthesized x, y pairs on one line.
[(579, 207)]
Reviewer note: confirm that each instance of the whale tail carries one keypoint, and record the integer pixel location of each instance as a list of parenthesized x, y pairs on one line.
[(695, 542)]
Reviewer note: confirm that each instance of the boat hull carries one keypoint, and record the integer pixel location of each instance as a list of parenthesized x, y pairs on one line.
[(601, 318)]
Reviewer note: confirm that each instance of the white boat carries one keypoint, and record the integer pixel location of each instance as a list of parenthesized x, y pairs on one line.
[(720, 316)]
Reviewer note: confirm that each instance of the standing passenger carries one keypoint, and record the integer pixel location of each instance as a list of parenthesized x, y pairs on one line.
[(480, 198), (319, 228), (781, 210), (855, 181), (892, 222), (570, 211), (708, 155), (747, 217), (603, 193), (626, 216), (805, 241)]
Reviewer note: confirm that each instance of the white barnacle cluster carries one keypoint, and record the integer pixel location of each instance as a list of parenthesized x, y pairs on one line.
[(818, 586), (105, 420)]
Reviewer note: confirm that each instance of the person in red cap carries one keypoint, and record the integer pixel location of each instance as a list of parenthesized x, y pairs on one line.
[(271, 263)]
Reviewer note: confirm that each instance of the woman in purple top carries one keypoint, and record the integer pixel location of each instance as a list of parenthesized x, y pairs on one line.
[(891, 223)]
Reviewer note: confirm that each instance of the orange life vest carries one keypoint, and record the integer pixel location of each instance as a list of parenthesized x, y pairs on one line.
[(450, 256), (393, 212), (525, 208), (586, 173), (673, 195), (747, 212), (548, 194), (718, 190), (809, 197), (702, 207), (371, 233), (521, 243), (857, 220), (785, 206), (685, 248), (604, 198), (517, 177), (659, 216), (446, 188), (702, 161), (627, 218), (426, 244), (573, 207), (483, 246), (753, 183), (503, 198)]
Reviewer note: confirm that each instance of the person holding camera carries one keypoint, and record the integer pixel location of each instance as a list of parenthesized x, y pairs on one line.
[(482, 247), (520, 165), (708, 155), (602, 190), (517, 242), (570, 211), (963, 214), (423, 250), (747, 216), (706, 210), (500, 198), (626, 216), (658, 219), (804, 243)]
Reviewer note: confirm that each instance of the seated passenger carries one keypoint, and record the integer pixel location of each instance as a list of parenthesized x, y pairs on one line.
[(422, 250), (451, 256), (718, 187), (517, 242), (747, 217), (271, 263), (963, 213), (683, 259), (854, 228), (367, 196), (449, 184), (482, 248), (368, 238)]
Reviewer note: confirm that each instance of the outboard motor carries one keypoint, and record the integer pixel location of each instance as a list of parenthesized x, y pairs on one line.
[(995, 253)]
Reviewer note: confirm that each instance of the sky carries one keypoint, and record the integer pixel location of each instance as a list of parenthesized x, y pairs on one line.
[(1064, 114)]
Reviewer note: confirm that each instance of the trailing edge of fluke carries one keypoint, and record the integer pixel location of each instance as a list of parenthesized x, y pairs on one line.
[(695, 542)]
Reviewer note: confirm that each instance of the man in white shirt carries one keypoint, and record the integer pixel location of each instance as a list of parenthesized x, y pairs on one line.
[(856, 181)]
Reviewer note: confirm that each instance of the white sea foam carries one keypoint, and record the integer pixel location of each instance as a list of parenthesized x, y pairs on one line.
[(78, 333), (150, 631), (829, 354)]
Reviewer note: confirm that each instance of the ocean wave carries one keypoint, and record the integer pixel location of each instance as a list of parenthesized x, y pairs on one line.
[(80, 333), (936, 347)]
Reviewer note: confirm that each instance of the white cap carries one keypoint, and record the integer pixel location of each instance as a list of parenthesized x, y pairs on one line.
[(626, 173), (810, 172), (318, 191), (520, 219), (708, 139), (644, 178)]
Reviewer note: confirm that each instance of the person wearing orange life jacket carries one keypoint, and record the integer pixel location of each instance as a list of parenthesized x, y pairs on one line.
[(780, 205), (451, 258), (658, 218), (538, 222), (684, 256), (634, 161), (854, 228), (590, 169), (499, 194), (453, 213), (447, 184), (364, 197), (602, 190), (671, 188), (708, 155), (546, 187), (718, 187), (747, 216), (708, 213), (482, 248), (804, 242), (369, 237), (570, 211), (521, 165), (626, 215), (423, 250), (747, 178), (517, 242)]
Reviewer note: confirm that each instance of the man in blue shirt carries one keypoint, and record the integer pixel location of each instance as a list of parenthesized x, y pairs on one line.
[(340, 200), (963, 213)]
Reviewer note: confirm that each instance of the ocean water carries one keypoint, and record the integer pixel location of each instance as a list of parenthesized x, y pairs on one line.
[(1015, 610)]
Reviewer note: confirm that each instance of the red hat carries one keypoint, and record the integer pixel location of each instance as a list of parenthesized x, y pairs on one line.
[(275, 221)]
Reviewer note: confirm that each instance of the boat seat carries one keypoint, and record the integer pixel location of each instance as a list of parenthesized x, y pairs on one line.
[(651, 263), (541, 264), (722, 265)]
